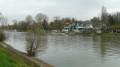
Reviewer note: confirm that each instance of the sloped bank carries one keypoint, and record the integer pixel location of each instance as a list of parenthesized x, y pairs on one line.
[(33, 62)]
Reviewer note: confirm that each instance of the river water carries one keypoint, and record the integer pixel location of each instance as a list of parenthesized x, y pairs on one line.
[(74, 50)]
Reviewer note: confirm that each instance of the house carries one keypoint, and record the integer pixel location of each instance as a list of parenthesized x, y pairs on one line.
[(66, 29), (98, 28), (78, 26), (83, 25)]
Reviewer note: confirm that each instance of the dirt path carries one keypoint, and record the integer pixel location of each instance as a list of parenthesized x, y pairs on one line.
[(30, 60)]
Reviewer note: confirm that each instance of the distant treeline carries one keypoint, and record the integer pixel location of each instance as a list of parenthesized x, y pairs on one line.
[(107, 22), (41, 22)]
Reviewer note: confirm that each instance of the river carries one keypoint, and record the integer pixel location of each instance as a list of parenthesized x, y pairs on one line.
[(74, 50)]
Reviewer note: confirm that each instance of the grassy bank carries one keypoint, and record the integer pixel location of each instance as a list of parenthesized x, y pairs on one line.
[(110, 33), (105, 34), (7, 60), (20, 59)]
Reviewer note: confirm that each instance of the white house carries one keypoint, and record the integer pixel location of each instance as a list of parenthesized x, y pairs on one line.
[(78, 26)]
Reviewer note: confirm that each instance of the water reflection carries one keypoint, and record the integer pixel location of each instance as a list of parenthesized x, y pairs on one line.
[(95, 51), (17, 40), (43, 45), (110, 46), (75, 50)]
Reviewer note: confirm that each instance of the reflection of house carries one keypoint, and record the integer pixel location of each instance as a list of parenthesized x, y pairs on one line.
[(78, 26)]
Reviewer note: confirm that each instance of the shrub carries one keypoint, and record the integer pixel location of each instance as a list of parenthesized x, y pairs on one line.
[(2, 36), (34, 41)]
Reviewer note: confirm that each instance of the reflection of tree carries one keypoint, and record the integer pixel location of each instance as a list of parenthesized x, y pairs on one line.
[(44, 45), (98, 45), (110, 45), (102, 47)]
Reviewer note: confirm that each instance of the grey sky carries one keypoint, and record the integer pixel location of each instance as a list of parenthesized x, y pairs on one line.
[(80, 9)]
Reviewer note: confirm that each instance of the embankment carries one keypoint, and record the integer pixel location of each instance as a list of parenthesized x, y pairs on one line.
[(32, 61)]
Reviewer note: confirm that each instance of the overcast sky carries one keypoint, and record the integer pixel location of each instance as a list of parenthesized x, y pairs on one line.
[(80, 9)]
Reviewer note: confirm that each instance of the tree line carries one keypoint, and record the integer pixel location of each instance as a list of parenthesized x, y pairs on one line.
[(107, 21), (41, 21)]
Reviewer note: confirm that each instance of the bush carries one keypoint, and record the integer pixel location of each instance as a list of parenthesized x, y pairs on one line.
[(34, 39), (2, 36)]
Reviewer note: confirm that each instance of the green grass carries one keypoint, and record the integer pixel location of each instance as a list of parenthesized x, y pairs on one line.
[(7, 60)]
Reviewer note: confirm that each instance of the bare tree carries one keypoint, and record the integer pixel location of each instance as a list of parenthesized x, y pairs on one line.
[(35, 36), (45, 25), (58, 21), (41, 17), (96, 22), (104, 15), (3, 20), (29, 19), (104, 19), (34, 41), (15, 21), (56, 18)]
